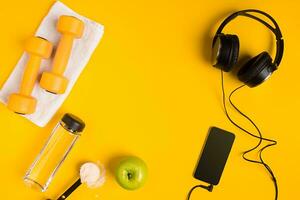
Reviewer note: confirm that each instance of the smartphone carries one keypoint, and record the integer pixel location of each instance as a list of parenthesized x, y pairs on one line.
[(214, 155)]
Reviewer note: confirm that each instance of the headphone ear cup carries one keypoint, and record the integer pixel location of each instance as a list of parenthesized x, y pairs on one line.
[(256, 70), (234, 51), (225, 51)]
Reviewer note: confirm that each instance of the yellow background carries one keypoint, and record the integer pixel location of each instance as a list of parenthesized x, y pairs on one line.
[(149, 90)]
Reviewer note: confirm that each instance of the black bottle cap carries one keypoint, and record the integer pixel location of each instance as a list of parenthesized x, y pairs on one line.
[(73, 123)]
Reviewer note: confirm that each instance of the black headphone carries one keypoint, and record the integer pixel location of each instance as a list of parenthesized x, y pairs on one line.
[(226, 51)]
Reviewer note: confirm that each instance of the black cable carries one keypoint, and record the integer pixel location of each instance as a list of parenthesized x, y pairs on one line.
[(260, 137), (209, 188)]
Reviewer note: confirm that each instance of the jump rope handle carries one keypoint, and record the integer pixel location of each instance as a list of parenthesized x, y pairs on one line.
[(69, 191)]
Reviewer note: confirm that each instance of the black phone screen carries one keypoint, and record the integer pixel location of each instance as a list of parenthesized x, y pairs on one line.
[(214, 156)]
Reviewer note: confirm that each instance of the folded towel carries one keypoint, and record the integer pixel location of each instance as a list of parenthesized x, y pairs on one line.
[(48, 103)]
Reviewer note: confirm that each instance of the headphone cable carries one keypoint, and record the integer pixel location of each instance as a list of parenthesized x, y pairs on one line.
[(260, 136), (208, 188)]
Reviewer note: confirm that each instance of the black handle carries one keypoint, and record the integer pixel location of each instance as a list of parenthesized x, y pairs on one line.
[(70, 190)]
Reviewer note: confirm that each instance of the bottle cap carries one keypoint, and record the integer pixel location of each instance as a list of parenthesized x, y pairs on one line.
[(73, 123)]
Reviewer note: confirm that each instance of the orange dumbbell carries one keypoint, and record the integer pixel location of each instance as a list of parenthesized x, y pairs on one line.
[(70, 28), (23, 103)]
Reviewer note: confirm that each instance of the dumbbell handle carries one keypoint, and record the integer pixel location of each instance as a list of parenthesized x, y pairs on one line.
[(30, 74), (62, 54)]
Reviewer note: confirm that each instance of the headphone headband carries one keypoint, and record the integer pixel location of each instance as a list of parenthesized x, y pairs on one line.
[(276, 31)]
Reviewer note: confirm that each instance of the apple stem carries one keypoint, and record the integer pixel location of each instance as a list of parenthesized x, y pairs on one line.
[(129, 175)]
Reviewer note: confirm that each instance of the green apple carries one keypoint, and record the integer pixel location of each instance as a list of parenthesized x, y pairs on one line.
[(131, 173)]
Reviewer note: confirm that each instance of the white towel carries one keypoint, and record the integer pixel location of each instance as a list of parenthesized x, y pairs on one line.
[(83, 48)]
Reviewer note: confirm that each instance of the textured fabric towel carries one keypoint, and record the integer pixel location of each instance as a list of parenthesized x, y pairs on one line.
[(82, 50)]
